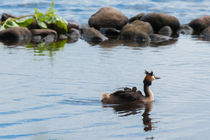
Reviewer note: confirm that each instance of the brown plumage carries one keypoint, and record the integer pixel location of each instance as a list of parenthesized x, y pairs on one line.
[(128, 95)]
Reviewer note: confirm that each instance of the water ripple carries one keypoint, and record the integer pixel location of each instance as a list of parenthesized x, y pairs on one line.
[(22, 135)]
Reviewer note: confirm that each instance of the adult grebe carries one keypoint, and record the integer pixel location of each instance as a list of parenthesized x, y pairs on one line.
[(133, 95)]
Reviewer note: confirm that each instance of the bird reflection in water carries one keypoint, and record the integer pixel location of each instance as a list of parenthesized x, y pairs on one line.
[(147, 121), (124, 110)]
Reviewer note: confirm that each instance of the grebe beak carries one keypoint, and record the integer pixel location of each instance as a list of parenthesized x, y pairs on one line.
[(157, 77)]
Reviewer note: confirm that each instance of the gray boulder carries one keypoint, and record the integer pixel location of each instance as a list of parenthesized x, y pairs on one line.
[(108, 17)]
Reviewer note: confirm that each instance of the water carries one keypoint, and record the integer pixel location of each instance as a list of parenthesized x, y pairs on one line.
[(54, 93)]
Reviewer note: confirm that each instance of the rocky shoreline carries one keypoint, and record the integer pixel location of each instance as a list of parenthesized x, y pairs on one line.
[(110, 25)]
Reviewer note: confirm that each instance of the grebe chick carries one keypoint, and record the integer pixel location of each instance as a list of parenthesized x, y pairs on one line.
[(133, 95)]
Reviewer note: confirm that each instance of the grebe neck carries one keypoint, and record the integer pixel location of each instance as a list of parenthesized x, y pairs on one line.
[(148, 92)]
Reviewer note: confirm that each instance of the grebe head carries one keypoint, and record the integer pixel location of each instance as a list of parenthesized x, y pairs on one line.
[(149, 78)]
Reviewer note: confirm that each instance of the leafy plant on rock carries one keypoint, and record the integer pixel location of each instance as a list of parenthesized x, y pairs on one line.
[(42, 19)]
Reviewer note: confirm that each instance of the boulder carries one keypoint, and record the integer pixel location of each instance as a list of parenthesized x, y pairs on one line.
[(92, 35), (185, 30), (43, 35), (137, 31), (108, 17), (137, 17), (159, 20), (15, 33), (200, 24), (205, 34), (166, 31)]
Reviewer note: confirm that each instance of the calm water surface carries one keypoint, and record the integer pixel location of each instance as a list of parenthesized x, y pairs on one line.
[(54, 94)]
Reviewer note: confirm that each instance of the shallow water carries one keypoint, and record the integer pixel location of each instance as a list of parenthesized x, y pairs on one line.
[(54, 92)]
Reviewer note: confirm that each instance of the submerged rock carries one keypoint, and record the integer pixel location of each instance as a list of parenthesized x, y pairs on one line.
[(159, 20), (185, 30), (199, 24), (137, 31), (157, 38), (44, 35), (108, 17), (92, 35)]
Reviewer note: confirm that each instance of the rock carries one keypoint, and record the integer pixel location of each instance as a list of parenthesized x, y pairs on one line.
[(200, 24), (137, 31), (108, 17), (205, 34), (73, 34), (157, 38), (185, 29), (110, 32), (73, 24), (16, 33), (161, 40), (5, 16), (43, 35), (166, 30), (111, 43), (62, 37), (92, 35), (54, 27), (33, 25), (137, 17), (159, 20)]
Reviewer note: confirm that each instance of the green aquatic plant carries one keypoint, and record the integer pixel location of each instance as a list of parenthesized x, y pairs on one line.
[(42, 20)]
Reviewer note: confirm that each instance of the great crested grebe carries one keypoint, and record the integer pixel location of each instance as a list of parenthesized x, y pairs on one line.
[(133, 95)]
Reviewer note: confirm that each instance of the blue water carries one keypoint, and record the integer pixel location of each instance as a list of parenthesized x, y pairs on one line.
[(54, 93)]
